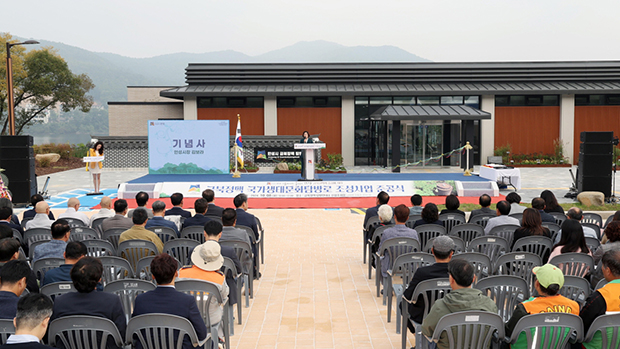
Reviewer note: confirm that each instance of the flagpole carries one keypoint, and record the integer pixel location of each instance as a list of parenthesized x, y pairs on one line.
[(236, 174)]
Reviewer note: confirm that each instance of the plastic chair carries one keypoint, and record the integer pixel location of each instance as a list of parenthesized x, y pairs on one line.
[(56, 289), (404, 266), (607, 326), (594, 227), (143, 269), (244, 251), (262, 240), (115, 268), (482, 219), (43, 265), (113, 235), (467, 232), (600, 284), (83, 233), (429, 231), (506, 231), (99, 248), (127, 290), (133, 250), (74, 223), (164, 233), (559, 217), (469, 329), (24, 221), (592, 218), (157, 330), (17, 235), (575, 288), (592, 243), (430, 290), (506, 291), (518, 264), (372, 221), (6, 329), (33, 246), (97, 223), (575, 264), (194, 233), (450, 220), (376, 238), (204, 292), (254, 242), (492, 246), (518, 216), (608, 220), (392, 248), (458, 242), (37, 234), (84, 332), (229, 267), (549, 330), (553, 229), (538, 245), (481, 262), (180, 249)]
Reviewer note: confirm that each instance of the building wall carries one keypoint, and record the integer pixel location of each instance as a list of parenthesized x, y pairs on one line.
[(130, 119), (252, 119), (595, 118), (527, 129), (147, 94), (326, 121)]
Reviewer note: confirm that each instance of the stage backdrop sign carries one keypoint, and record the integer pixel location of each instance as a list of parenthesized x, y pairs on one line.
[(188, 147)]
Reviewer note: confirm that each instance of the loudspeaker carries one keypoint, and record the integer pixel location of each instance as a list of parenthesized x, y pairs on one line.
[(596, 148), (597, 137), (595, 183), (17, 159), (16, 141), (595, 165)]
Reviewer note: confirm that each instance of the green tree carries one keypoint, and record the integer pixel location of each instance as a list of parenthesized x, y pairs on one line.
[(41, 81)]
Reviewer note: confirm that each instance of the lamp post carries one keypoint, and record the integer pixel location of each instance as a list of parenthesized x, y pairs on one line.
[(9, 85)]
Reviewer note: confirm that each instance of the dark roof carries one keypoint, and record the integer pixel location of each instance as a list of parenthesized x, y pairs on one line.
[(429, 112)]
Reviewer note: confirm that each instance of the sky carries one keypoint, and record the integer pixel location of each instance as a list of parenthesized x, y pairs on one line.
[(439, 30)]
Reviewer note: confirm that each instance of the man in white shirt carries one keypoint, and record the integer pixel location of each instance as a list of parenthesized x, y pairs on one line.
[(105, 211), (503, 218), (577, 214), (41, 218), (73, 205), (33, 315)]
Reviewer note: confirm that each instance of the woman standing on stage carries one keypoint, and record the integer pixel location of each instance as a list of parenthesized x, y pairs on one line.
[(305, 139), (95, 167)]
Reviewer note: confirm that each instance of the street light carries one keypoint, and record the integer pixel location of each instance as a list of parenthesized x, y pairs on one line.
[(9, 79)]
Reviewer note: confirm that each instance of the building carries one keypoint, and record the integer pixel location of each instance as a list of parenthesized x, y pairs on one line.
[(436, 107)]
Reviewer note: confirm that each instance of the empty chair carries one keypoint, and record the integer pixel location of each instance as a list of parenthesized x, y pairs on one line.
[(127, 290), (506, 231), (469, 329), (548, 330), (536, 244), (164, 233), (492, 246), (553, 229), (156, 330), (83, 233), (43, 265), (593, 218), (575, 288), (467, 232), (244, 253), (254, 242), (391, 249), (481, 262), (194, 233), (518, 264), (57, 288), (607, 328), (518, 216), (559, 217), (113, 235), (37, 234), (180, 249), (115, 268), (460, 245), (81, 331), (450, 220), (229, 267), (99, 248), (482, 219), (575, 264), (133, 250), (507, 291), (6, 329), (429, 231), (261, 231)]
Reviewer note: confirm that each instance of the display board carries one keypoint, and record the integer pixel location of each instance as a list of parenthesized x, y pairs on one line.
[(188, 147)]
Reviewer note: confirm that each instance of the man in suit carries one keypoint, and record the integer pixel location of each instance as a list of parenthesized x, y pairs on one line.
[(243, 217), (443, 249), (229, 232), (75, 251), (54, 248), (158, 220), (382, 199), (9, 250), (34, 200), (118, 221), (485, 202), (6, 214), (214, 210), (33, 316), (165, 299), (213, 231), (142, 198), (139, 232), (85, 275), (539, 204), (200, 206), (13, 276), (176, 200)]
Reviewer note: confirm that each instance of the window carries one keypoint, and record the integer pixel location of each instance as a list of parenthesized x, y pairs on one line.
[(230, 102), (309, 102), (597, 100), (527, 101)]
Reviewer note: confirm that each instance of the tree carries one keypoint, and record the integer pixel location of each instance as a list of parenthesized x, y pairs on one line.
[(42, 80)]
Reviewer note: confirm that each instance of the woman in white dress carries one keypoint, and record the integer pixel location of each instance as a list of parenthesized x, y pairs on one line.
[(95, 167)]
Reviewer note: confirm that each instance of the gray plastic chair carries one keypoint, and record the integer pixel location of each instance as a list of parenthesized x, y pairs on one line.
[(607, 326), (261, 231), (450, 220), (97, 223), (165, 234), (134, 250), (576, 288), (538, 245), (43, 265), (467, 232), (113, 235), (392, 248), (518, 264), (506, 291), (33, 245), (157, 331), (229, 267), (593, 218), (404, 266), (143, 269), (559, 217), (37, 234), (84, 332), (506, 231), (6, 329), (376, 237), (127, 290), (608, 220), (518, 216), (180, 249), (365, 232), (194, 233), (575, 264), (481, 219), (458, 242), (594, 227), (74, 223), (600, 284), (57, 288), (115, 268), (203, 292), (99, 248), (17, 235), (243, 250), (553, 330), (553, 229), (469, 329), (429, 231), (481, 262), (430, 290), (492, 246), (254, 242), (592, 243), (24, 221), (83, 233)]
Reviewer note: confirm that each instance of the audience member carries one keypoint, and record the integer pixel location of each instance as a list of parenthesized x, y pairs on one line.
[(118, 221), (551, 203), (382, 199), (75, 251), (54, 248), (6, 215), (573, 241), (416, 204), (73, 205), (539, 205), (139, 232), (199, 218), (612, 232), (176, 200), (548, 282), (530, 225), (576, 214), (616, 217), (41, 219), (208, 261), (399, 230), (605, 300), (214, 210), (503, 218), (31, 321), (485, 202), (385, 214), (13, 283), (105, 211), (5, 231), (243, 217), (452, 205), (9, 251), (462, 298), (85, 275), (142, 198), (430, 215), (165, 299), (213, 231), (5, 202), (158, 220), (443, 249), (229, 232), (515, 199), (34, 200)]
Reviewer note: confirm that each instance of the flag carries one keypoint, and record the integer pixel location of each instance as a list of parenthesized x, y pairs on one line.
[(239, 142)]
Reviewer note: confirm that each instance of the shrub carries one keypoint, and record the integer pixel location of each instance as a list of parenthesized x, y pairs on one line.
[(45, 162), (62, 149), (504, 152), (79, 150)]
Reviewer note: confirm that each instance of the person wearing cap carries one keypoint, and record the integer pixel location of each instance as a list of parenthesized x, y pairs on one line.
[(399, 230), (208, 260), (605, 300), (443, 249), (549, 280)]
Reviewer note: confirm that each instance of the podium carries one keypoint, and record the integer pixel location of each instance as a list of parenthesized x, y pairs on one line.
[(309, 173), (89, 159)]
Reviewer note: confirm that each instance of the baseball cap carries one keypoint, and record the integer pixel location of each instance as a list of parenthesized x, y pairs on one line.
[(208, 256), (548, 275), (443, 243)]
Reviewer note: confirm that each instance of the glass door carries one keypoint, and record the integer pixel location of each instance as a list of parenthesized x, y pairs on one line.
[(420, 141)]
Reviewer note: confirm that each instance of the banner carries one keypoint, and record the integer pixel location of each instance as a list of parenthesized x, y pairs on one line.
[(188, 147), (276, 154)]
